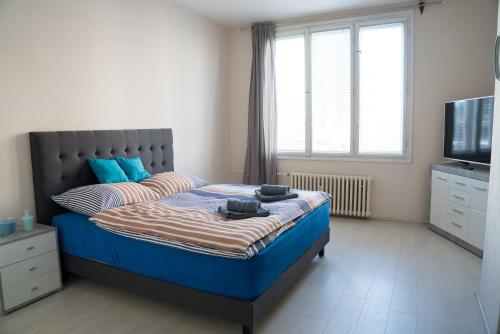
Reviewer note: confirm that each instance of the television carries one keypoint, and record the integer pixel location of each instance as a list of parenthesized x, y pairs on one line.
[(467, 130)]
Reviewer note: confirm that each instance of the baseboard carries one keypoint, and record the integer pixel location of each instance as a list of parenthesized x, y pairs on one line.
[(456, 240), (399, 220), (483, 315)]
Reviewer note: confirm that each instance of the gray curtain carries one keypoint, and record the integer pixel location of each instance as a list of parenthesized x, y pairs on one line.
[(260, 161)]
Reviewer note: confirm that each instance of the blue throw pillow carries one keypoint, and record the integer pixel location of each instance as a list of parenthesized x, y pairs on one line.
[(107, 171), (134, 168)]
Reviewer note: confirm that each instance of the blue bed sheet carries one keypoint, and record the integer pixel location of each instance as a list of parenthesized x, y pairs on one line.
[(244, 279)]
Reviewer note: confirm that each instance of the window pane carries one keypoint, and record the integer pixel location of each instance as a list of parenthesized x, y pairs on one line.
[(290, 91), (331, 91), (381, 89)]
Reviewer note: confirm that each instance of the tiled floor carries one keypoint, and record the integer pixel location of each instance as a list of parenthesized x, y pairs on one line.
[(376, 277)]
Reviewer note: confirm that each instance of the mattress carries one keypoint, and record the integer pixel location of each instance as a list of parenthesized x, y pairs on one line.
[(238, 278)]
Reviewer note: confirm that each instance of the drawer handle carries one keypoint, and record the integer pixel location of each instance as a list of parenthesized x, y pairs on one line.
[(30, 248), (479, 188), (460, 183), (458, 211), (457, 225), (442, 178), (458, 197), (33, 269), (34, 288)]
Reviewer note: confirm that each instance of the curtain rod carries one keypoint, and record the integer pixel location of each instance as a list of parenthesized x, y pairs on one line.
[(421, 5)]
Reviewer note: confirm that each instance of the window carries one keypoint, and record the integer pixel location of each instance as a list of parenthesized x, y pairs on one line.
[(343, 90), (291, 127)]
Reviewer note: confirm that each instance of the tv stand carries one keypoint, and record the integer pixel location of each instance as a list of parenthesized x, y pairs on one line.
[(458, 204)]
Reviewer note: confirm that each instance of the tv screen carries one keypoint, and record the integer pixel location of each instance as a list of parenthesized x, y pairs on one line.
[(468, 128)]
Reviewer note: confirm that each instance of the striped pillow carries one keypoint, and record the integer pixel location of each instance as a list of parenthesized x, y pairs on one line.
[(171, 183), (95, 198)]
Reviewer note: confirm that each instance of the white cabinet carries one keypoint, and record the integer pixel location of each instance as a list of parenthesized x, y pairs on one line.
[(458, 206), (29, 267)]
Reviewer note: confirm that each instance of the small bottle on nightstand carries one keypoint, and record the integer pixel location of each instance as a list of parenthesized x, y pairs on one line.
[(28, 223)]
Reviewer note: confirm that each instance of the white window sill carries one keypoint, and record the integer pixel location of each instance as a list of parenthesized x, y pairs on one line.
[(347, 158)]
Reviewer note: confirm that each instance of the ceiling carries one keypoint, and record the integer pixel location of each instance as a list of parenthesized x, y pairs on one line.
[(242, 13)]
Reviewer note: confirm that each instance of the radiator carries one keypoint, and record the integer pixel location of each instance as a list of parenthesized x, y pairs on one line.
[(351, 194)]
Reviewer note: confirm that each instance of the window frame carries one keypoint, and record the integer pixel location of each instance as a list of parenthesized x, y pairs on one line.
[(354, 24)]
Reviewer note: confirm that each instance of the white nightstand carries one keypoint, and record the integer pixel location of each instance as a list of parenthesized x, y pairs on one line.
[(29, 267)]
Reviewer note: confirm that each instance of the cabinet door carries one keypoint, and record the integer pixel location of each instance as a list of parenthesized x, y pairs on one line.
[(440, 182), (479, 195), (477, 228), (439, 212)]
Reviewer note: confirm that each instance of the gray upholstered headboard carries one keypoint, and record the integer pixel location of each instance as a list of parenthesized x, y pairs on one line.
[(59, 159)]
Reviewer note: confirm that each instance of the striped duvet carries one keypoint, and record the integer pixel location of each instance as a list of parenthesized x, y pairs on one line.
[(190, 220)]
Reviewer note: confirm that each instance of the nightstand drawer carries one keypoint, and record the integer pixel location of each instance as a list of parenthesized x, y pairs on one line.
[(26, 270), (30, 290), (27, 248)]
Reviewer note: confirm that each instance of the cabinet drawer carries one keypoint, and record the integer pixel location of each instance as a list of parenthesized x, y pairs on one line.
[(458, 227), (26, 270), (27, 291), (459, 196), (460, 182), (460, 211), (27, 248), (477, 226), (440, 182), (479, 195)]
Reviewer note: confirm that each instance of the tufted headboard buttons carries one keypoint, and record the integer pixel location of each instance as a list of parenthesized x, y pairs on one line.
[(59, 159)]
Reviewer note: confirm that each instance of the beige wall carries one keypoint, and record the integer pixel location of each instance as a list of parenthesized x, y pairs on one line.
[(109, 64), (452, 60)]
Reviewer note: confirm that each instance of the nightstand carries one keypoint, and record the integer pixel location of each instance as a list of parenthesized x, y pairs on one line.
[(29, 267)]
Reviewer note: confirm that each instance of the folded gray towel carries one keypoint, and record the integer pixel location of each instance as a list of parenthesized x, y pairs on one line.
[(266, 198), (242, 206), (243, 215), (272, 189)]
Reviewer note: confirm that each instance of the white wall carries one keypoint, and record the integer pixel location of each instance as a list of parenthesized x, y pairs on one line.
[(452, 60), (109, 64), (489, 291)]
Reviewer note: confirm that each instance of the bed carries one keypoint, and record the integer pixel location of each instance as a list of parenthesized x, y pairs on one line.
[(237, 290)]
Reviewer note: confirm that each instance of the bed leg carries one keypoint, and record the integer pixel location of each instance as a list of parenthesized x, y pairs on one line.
[(321, 252), (247, 329)]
